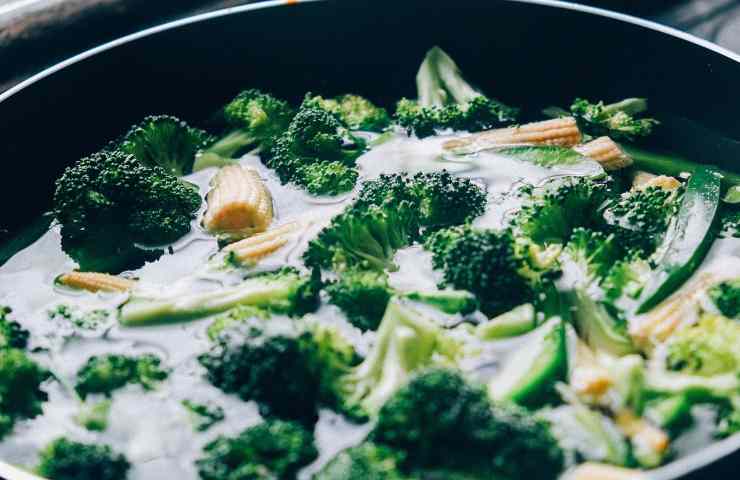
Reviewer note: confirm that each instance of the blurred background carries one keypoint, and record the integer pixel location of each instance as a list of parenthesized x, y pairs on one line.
[(37, 33)]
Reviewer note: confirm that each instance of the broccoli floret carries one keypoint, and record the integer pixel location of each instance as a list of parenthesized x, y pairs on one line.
[(729, 223), (106, 373), (65, 459), (639, 218), (357, 112), (20, 393), (619, 120), (94, 416), (439, 420), (593, 252), (710, 347), (367, 461), (315, 140), (272, 449), (447, 101), (109, 202), (167, 142), (364, 294), (12, 335), (726, 296), (626, 278), (232, 317), (283, 291), (204, 416), (275, 366), (406, 342), (86, 320), (327, 178)]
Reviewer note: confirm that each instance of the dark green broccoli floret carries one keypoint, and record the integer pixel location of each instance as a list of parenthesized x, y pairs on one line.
[(204, 416), (283, 291), (275, 366), (65, 459), (440, 421), (315, 140), (167, 142), (107, 373), (447, 101), (729, 223), (640, 218), (87, 320), (619, 120), (367, 461), (20, 393), (12, 335), (274, 449), (726, 296), (357, 112), (109, 202)]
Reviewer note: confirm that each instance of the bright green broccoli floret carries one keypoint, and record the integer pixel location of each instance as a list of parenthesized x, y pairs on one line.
[(315, 140), (204, 416), (710, 347), (593, 252), (167, 142), (357, 112), (620, 120), (283, 291), (272, 449), (626, 278), (106, 373), (65, 459), (367, 461), (406, 341), (447, 101), (12, 335), (439, 420), (20, 393), (327, 178), (109, 202), (275, 364), (364, 294), (86, 320), (726, 296)]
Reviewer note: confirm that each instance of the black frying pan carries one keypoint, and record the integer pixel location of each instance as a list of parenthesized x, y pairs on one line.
[(530, 53)]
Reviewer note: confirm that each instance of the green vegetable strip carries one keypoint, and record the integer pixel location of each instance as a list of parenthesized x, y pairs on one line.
[(688, 239)]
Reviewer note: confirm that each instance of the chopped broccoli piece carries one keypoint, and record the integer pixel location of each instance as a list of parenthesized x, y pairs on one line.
[(272, 449), (314, 142), (94, 416), (65, 459), (593, 252), (626, 278), (357, 112), (240, 313), (726, 296), (447, 101), (12, 335), (165, 141), (283, 291), (710, 347), (441, 421), (275, 365), (729, 223), (109, 202), (367, 461), (406, 342), (204, 416), (86, 320), (106, 373), (619, 120), (20, 393)]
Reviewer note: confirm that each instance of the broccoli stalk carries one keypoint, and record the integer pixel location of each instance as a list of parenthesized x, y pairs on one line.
[(65, 459), (283, 291), (446, 100)]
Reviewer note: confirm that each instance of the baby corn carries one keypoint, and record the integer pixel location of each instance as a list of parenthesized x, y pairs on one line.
[(96, 282), (662, 181), (252, 249), (605, 151), (238, 202), (563, 132)]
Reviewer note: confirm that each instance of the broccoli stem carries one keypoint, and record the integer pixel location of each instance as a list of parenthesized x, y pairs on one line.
[(222, 152), (439, 78), (630, 106)]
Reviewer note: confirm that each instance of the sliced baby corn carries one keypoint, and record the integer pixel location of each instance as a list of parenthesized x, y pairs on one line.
[(605, 151), (601, 471), (238, 202), (96, 282), (563, 132), (644, 436), (662, 181), (252, 249)]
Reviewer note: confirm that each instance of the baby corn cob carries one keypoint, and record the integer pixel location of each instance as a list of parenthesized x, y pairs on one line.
[(252, 249), (558, 131), (600, 471), (238, 202), (642, 433), (96, 282), (662, 181), (605, 151)]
